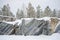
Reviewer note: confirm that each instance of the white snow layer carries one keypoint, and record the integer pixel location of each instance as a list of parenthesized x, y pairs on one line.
[(55, 36), (27, 20), (44, 18), (14, 22), (19, 21)]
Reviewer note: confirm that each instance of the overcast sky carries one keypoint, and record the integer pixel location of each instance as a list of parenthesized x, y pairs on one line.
[(15, 4)]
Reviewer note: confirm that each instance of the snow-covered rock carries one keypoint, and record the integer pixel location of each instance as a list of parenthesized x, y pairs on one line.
[(57, 28), (44, 18), (14, 22), (27, 20), (19, 21)]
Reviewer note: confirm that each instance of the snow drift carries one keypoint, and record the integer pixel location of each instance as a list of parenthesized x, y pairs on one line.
[(55, 36)]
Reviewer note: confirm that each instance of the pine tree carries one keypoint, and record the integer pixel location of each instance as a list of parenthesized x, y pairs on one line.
[(19, 14), (47, 11), (6, 10), (58, 14), (54, 13), (30, 11), (38, 11), (0, 12)]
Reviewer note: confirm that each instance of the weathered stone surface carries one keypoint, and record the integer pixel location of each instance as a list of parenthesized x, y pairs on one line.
[(35, 27), (57, 29), (6, 29), (53, 24)]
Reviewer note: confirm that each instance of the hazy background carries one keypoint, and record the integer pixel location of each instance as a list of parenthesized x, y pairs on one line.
[(21, 4)]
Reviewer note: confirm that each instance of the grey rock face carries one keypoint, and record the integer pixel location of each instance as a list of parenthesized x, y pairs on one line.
[(6, 29), (35, 27), (57, 29)]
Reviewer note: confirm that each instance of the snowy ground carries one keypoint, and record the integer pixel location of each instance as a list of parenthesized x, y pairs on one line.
[(55, 36)]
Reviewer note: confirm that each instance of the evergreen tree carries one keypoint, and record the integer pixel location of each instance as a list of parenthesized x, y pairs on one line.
[(0, 12), (19, 14), (47, 11), (58, 14), (30, 11), (38, 11), (54, 13), (6, 10)]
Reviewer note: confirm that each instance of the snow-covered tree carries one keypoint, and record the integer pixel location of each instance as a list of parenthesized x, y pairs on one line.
[(0, 12), (58, 14), (19, 14), (6, 10), (38, 11), (47, 11), (54, 13), (41, 14), (30, 11)]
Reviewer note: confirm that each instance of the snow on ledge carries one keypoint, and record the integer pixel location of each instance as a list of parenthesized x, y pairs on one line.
[(44, 18), (14, 22), (27, 20)]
